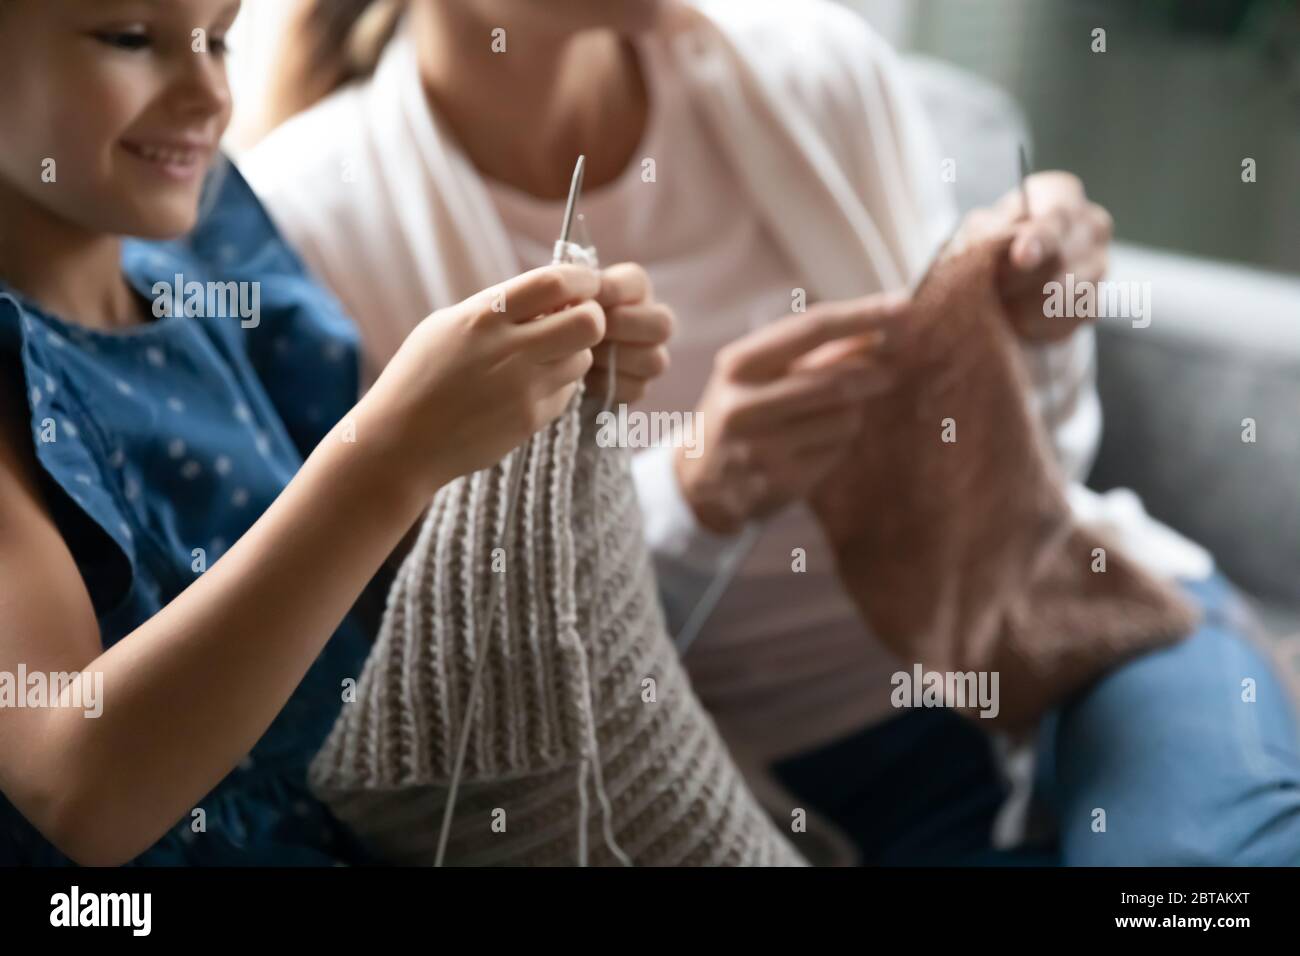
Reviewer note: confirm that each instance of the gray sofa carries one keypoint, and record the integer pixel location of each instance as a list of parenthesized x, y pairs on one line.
[(1223, 345)]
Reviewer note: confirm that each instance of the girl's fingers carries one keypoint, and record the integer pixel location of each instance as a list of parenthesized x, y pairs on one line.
[(637, 361), (627, 388), (540, 291), (552, 406), (553, 376), (645, 323), (562, 333), (623, 284)]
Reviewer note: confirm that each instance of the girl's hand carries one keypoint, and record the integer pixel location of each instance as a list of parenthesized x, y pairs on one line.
[(475, 380), (470, 383), (638, 326)]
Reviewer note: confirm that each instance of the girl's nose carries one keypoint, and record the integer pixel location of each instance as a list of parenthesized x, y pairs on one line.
[(202, 88)]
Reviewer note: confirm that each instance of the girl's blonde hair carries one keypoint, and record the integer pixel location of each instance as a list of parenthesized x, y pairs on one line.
[(329, 43)]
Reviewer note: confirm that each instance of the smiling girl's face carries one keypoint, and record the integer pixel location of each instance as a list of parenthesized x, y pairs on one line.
[(111, 111)]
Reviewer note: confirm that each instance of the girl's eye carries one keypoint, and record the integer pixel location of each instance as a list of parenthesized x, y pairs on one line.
[(218, 46), (124, 39)]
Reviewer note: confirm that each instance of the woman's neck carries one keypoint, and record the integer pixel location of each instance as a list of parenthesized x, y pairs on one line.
[(523, 116), (69, 271)]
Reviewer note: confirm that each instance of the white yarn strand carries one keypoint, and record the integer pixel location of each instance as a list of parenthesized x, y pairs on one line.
[(484, 636)]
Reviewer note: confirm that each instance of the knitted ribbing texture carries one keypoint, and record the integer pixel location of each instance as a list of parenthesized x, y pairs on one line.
[(581, 685)]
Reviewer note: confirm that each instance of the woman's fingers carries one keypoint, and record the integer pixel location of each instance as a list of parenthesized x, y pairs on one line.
[(795, 460), (814, 432), (1078, 238), (769, 351), (882, 340), (1040, 240), (800, 394)]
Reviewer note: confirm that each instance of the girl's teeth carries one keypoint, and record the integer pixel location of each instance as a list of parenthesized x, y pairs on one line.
[(179, 157)]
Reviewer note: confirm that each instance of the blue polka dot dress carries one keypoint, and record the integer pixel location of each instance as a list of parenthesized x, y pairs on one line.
[(158, 447)]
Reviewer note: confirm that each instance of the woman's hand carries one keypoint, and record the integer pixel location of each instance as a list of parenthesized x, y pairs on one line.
[(638, 327), (475, 380), (782, 407), (1065, 233)]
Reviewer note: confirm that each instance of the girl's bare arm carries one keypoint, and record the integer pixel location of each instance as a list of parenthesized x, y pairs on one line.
[(188, 693)]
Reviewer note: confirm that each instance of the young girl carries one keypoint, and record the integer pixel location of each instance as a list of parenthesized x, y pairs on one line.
[(190, 501)]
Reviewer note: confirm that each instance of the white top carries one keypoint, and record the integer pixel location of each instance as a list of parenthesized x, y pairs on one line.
[(773, 169), (785, 657)]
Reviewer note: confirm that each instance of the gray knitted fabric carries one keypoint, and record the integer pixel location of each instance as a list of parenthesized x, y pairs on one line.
[(563, 717)]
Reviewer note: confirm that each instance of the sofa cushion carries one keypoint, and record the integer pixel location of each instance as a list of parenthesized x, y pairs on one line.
[(1223, 346)]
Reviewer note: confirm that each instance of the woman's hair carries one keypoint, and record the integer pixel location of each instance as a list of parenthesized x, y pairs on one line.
[(328, 44)]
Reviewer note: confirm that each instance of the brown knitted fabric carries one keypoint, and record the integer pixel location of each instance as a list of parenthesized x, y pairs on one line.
[(567, 721), (964, 556)]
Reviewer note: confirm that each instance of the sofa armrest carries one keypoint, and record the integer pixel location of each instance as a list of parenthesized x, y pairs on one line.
[(1223, 346)]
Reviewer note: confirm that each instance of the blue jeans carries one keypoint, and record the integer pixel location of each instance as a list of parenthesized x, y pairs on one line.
[(1185, 770)]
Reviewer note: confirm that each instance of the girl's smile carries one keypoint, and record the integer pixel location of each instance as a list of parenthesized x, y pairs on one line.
[(180, 159)]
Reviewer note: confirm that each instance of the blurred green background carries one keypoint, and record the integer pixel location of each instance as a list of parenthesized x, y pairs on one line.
[(1158, 125)]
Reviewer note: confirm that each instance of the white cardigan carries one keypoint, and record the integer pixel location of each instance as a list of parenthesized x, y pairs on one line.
[(385, 206), (819, 128)]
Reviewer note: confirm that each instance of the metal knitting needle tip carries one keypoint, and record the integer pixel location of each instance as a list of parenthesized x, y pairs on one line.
[(575, 190), (1024, 175)]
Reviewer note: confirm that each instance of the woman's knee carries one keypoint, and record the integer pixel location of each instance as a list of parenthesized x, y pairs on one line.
[(1266, 835), (1185, 757)]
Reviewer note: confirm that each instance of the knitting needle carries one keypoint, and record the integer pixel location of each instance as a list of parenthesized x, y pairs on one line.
[(575, 190), (1040, 359), (735, 558), (494, 595), (498, 580), (563, 252), (1024, 182)]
